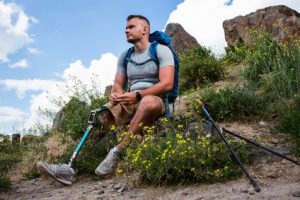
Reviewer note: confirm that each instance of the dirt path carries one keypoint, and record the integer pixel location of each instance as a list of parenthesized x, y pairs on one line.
[(277, 178)]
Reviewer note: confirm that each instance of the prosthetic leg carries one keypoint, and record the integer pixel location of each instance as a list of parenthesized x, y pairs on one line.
[(91, 122)]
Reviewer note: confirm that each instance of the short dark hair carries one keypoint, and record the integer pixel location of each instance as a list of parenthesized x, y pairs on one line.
[(140, 17)]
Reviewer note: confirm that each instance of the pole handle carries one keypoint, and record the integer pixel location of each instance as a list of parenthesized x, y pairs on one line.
[(200, 103)]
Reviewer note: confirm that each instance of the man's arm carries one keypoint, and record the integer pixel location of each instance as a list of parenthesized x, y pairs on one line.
[(117, 88), (165, 84)]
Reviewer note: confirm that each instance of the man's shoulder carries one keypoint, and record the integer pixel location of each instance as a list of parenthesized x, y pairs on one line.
[(162, 47), (123, 54), (163, 50)]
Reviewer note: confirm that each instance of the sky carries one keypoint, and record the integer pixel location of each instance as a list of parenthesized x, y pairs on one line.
[(46, 47)]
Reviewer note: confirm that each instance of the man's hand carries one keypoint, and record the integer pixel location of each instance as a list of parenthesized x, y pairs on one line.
[(127, 98), (113, 98)]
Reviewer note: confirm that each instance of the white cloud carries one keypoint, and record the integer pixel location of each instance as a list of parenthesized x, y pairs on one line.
[(8, 114), (14, 24), (203, 19), (20, 64), (103, 68), (23, 86), (34, 51)]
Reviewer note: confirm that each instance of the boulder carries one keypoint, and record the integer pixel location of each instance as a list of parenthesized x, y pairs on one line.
[(279, 21), (61, 115), (182, 40)]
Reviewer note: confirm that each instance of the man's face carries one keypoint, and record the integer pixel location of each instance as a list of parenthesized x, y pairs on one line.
[(135, 30)]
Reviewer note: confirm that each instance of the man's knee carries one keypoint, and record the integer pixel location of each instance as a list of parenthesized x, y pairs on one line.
[(150, 103)]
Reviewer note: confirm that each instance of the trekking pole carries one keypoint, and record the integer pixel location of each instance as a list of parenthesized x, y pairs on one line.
[(91, 123), (262, 147), (255, 186)]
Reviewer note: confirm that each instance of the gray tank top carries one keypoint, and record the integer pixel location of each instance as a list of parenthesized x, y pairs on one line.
[(144, 76)]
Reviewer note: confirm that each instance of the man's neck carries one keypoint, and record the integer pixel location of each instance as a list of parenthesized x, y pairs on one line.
[(141, 45)]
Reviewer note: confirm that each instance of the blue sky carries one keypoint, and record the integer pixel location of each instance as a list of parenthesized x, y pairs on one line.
[(42, 43)]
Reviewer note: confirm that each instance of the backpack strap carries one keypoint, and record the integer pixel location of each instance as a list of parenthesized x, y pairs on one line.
[(126, 60), (153, 54)]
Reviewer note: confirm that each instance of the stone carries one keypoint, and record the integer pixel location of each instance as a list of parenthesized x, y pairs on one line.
[(182, 40), (121, 189), (184, 193), (16, 138), (117, 186), (107, 90), (244, 190), (274, 175), (280, 22), (262, 124), (101, 191), (60, 117), (296, 194)]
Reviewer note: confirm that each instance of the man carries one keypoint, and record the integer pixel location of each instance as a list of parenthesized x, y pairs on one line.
[(142, 104)]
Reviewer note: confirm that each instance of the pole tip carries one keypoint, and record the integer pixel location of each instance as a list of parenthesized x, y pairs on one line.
[(257, 189)]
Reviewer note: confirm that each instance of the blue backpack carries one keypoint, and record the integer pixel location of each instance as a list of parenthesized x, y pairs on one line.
[(159, 37)]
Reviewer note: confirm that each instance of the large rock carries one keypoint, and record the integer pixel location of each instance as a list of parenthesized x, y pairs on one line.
[(279, 21), (182, 41), (73, 107)]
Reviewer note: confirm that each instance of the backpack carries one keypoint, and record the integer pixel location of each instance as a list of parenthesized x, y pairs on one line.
[(159, 37)]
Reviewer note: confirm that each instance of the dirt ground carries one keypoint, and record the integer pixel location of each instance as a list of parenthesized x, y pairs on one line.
[(277, 178)]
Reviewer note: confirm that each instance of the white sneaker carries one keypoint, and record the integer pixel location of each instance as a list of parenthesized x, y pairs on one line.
[(60, 172), (109, 164)]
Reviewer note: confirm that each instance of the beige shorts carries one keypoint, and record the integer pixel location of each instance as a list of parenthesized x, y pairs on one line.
[(123, 114)]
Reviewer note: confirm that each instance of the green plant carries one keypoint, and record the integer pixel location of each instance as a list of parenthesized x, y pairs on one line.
[(237, 103), (7, 160), (5, 183), (5, 144), (289, 120), (197, 67), (175, 158), (235, 55), (275, 67)]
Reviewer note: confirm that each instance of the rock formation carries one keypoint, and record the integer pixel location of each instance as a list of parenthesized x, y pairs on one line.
[(182, 41), (279, 21)]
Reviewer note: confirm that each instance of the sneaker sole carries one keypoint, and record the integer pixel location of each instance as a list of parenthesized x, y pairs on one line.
[(45, 171)]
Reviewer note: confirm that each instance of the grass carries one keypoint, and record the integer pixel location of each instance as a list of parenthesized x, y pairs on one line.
[(234, 104)]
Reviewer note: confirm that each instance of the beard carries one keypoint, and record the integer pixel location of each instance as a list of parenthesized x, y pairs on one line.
[(133, 40)]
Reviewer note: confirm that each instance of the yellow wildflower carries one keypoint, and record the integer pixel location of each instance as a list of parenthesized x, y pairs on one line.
[(179, 126), (113, 127)]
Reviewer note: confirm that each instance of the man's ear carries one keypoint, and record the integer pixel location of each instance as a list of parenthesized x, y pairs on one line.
[(145, 30)]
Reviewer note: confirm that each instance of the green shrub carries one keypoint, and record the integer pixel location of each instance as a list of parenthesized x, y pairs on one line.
[(197, 67), (236, 103), (289, 120), (276, 68), (5, 144), (7, 160), (235, 55), (75, 116), (176, 158), (5, 183)]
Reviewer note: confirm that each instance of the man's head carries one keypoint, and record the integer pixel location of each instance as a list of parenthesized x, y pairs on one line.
[(137, 28)]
